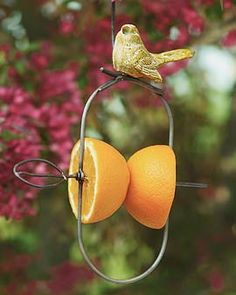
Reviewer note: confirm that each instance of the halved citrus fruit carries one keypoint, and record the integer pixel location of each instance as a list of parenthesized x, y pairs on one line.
[(152, 185), (105, 184)]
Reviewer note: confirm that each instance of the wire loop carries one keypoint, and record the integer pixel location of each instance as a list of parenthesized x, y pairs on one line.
[(60, 177), (117, 78), (20, 174)]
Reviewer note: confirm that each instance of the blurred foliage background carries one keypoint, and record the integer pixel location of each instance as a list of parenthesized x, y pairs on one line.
[(50, 55)]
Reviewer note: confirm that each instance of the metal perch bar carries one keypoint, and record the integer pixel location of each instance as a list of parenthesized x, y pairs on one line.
[(191, 184), (78, 176), (145, 84)]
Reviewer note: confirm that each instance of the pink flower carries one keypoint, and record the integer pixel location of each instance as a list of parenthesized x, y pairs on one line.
[(13, 74), (6, 93), (15, 263), (228, 4), (39, 61), (67, 26), (66, 276), (230, 39), (206, 2), (57, 83), (21, 141), (5, 48), (195, 21), (99, 53), (216, 280), (172, 68), (167, 12), (182, 37)]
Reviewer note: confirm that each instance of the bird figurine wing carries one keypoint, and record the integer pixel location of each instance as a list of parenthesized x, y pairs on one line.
[(147, 68), (131, 57)]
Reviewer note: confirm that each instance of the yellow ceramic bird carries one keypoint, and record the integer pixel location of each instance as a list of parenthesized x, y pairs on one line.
[(131, 57)]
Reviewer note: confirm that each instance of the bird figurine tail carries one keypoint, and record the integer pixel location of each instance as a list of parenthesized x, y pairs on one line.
[(173, 55)]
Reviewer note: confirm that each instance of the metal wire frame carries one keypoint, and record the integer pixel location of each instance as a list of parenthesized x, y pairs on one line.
[(117, 78)]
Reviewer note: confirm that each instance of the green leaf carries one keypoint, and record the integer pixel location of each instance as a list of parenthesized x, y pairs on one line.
[(14, 232), (2, 58), (20, 67), (8, 135), (214, 12)]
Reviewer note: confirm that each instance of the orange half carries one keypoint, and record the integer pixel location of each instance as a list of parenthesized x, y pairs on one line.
[(106, 180), (152, 185)]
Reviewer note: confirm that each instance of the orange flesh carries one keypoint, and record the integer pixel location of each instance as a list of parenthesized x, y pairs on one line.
[(88, 185), (106, 180)]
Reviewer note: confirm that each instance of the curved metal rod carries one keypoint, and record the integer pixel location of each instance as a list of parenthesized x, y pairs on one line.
[(106, 85), (113, 15), (222, 4), (171, 121)]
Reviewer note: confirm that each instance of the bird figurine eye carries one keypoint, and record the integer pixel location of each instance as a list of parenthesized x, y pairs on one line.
[(125, 30)]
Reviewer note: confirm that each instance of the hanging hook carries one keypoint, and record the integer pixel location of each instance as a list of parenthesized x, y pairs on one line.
[(222, 4), (113, 15)]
